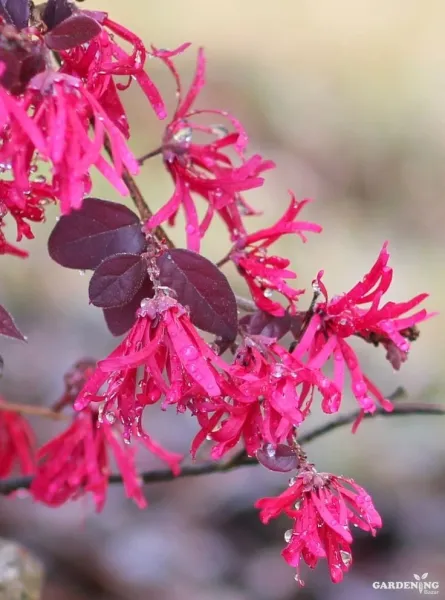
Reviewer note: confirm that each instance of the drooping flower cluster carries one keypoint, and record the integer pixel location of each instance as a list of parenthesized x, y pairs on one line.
[(250, 385), (56, 123), (206, 168), (16, 444), (323, 506)]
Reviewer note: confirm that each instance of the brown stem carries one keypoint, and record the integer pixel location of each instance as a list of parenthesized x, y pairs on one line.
[(139, 200), (242, 460), (29, 409), (149, 155), (245, 304)]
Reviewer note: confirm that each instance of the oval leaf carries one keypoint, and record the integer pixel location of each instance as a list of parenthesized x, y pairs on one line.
[(99, 229), (262, 323), (8, 327), (120, 320), (201, 286), (281, 458), (15, 12), (72, 32), (116, 280), (56, 11)]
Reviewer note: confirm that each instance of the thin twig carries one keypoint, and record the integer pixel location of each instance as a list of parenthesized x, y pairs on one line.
[(245, 304), (31, 410), (149, 155), (136, 195), (242, 460)]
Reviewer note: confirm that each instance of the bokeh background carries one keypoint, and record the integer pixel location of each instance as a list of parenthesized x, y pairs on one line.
[(348, 97)]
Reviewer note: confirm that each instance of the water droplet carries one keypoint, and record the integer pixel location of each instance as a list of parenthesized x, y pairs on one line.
[(346, 557), (190, 353), (359, 388), (267, 293), (110, 417), (270, 450), (288, 536), (82, 272), (292, 481), (183, 136), (316, 287), (278, 371), (220, 131), (298, 504)]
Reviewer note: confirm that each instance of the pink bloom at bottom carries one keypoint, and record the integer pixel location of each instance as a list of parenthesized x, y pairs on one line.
[(16, 444), (77, 461), (322, 506)]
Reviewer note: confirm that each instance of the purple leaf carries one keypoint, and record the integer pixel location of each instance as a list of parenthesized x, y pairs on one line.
[(72, 32), (15, 12), (119, 320), (201, 286), (56, 11), (281, 458), (262, 323), (21, 62), (116, 280), (8, 327), (85, 237)]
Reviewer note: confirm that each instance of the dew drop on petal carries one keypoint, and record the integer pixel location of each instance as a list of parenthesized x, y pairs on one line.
[(220, 131), (288, 536), (110, 417), (270, 450), (346, 557), (190, 353), (267, 293), (292, 481)]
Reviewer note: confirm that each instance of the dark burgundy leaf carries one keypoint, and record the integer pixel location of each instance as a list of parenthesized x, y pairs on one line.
[(119, 320), (72, 32), (282, 458), (8, 327), (262, 323), (201, 286), (15, 12), (116, 280), (84, 238), (21, 60), (56, 11)]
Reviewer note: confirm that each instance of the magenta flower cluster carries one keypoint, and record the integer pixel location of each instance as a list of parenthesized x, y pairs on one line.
[(250, 382)]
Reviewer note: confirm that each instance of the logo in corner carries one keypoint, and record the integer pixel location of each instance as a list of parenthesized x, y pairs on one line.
[(420, 583), (420, 579)]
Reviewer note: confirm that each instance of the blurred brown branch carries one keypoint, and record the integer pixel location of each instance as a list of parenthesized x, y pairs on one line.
[(9, 486)]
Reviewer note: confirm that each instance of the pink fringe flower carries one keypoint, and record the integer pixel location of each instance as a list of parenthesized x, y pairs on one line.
[(270, 396), (344, 316), (162, 340), (206, 168), (322, 506), (265, 274), (65, 109), (16, 444), (77, 462)]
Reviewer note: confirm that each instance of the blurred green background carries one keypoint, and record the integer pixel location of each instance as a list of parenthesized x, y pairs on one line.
[(348, 97)]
